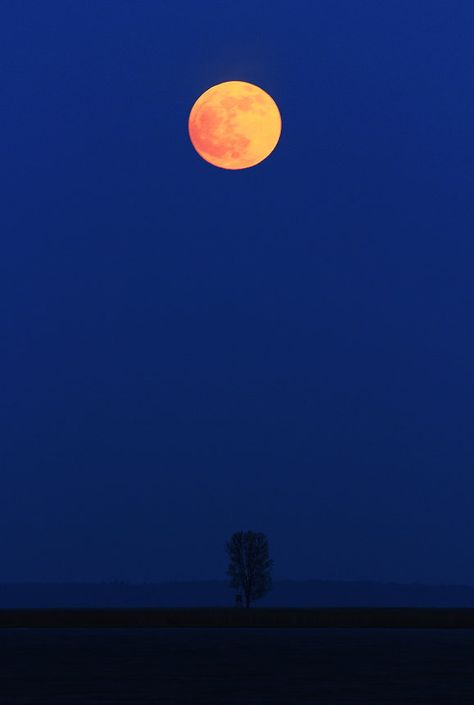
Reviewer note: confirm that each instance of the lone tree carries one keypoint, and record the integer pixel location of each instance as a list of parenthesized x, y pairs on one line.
[(249, 564)]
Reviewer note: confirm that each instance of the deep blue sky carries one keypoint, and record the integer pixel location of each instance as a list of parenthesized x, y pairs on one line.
[(186, 351)]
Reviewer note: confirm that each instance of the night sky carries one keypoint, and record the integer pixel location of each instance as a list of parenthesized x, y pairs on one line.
[(187, 351)]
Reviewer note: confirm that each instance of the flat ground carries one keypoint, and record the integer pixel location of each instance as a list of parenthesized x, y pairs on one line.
[(259, 618), (236, 667)]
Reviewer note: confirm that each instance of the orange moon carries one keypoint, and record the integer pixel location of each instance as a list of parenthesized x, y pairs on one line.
[(234, 125)]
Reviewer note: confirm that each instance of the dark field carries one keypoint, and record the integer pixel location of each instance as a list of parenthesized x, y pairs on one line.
[(236, 666), (402, 618)]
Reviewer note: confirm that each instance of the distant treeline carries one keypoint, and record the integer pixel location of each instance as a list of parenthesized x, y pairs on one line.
[(312, 593)]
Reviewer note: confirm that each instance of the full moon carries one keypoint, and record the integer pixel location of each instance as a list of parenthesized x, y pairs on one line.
[(234, 125)]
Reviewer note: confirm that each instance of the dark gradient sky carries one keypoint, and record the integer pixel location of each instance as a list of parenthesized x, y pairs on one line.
[(186, 351)]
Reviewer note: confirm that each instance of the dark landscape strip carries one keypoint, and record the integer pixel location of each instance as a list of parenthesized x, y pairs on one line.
[(402, 618)]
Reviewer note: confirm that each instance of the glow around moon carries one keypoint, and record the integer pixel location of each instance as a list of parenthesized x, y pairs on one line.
[(234, 125)]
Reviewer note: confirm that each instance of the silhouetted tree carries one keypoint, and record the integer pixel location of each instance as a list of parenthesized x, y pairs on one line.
[(249, 564)]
